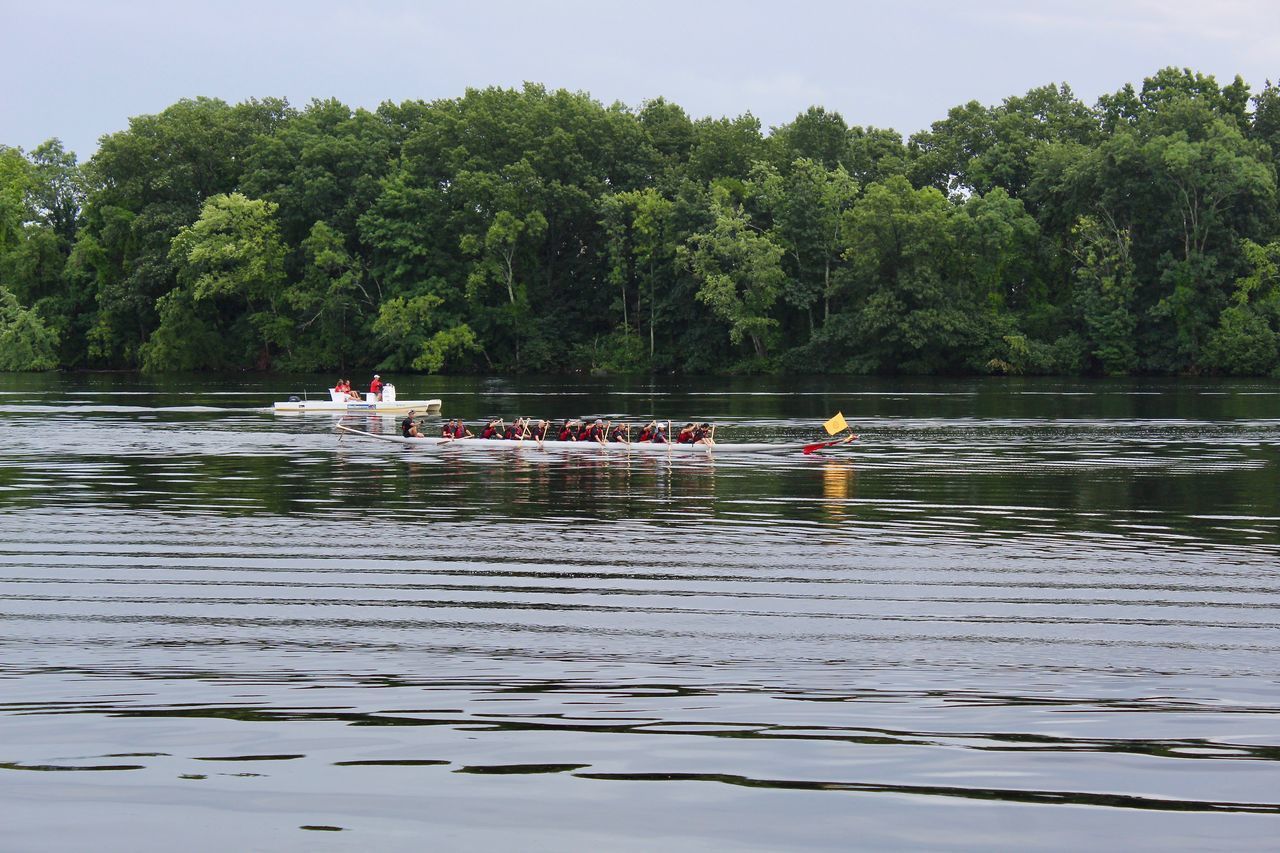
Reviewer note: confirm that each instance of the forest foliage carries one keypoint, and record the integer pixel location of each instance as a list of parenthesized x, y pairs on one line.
[(534, 230)]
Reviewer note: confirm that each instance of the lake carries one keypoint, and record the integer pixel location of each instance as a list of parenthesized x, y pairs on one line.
[(1018, 613)]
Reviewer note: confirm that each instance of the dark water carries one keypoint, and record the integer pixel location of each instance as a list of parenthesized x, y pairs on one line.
[(1022, 614)]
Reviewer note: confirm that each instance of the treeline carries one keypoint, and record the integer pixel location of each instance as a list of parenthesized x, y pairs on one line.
[(542, 231)]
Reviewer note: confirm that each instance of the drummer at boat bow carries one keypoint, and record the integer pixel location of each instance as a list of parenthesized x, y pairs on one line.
[(409, 427)]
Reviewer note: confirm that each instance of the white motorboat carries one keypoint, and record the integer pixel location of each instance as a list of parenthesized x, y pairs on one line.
[(370, 404)]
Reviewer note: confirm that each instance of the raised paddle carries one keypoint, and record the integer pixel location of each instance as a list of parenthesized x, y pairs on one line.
[(810, 448)]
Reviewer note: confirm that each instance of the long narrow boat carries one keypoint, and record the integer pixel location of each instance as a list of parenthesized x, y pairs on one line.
[(551, 446)]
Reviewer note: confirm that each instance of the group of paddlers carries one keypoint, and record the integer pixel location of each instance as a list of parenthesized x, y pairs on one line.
[(599, 431)]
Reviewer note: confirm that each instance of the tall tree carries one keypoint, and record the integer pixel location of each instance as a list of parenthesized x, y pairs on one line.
[(740, 270), (808, 205), (232, 256)]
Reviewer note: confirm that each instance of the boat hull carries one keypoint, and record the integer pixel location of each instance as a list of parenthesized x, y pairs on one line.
[(352, 407), (501, 445)]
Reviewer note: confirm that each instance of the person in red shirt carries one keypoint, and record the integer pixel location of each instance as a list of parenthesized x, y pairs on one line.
[(375, 387)]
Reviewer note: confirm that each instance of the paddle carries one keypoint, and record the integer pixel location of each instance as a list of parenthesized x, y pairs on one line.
[(810, 448)]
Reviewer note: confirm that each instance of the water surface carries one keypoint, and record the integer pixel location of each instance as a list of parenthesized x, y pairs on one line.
[(1018, 614)]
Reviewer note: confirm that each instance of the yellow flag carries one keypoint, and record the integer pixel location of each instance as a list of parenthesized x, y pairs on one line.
[(836, 424)]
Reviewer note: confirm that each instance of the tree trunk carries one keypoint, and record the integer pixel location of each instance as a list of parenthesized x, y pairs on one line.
[(651, 311), (826, 292)]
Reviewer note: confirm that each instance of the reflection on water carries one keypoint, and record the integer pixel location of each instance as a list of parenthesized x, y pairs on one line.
[(1008, 598)]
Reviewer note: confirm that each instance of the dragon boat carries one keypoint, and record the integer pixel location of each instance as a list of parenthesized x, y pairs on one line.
[(555, 446)]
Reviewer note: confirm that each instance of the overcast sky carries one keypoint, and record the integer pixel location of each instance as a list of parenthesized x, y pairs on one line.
[(78, 69)]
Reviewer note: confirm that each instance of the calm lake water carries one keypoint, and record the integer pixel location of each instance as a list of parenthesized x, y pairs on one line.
[(1019, 614)]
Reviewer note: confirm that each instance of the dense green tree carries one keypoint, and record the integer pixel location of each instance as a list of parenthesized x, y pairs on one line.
[(26, 343), (912, 310), (640, 246), (149, 182), (232, 257), (1105, 294), (1247, 338), (815, 135), (536, 229), (979, 148), (808, 206), (740, 271)]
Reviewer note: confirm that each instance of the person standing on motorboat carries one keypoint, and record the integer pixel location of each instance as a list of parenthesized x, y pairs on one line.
[(375, 387)]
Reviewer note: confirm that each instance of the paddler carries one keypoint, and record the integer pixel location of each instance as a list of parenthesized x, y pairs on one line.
[(539, 433), (621, 434), (409, 427), (516, 431), (493, 429), (596, 432), (686, 435), (704, 434), (569, 431), (450, 427), (646, 432)]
